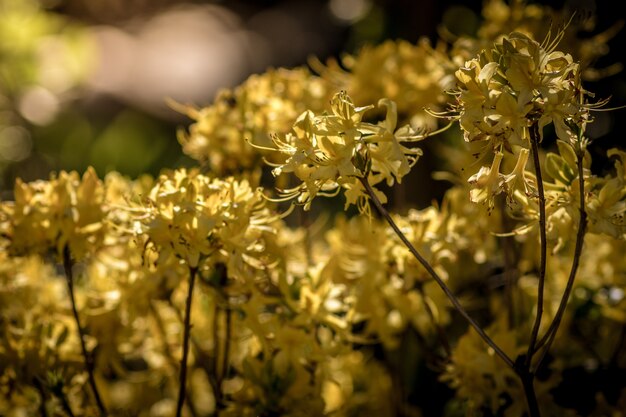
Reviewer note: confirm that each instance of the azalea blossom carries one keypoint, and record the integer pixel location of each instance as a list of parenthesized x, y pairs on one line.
[(331, 151)]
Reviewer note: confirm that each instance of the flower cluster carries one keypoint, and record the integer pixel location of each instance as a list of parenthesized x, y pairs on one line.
[(265, 103), (506, 92), (65, 211), (605, 198), (518, 83), (328, 152), (414, 76), (199, 220)]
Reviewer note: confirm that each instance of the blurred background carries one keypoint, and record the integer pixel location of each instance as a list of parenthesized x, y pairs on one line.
[(85, 82)]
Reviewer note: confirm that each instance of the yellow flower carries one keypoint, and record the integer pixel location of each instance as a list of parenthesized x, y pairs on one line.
[(487, 182), (606, 205), (414, 76), (194, 218), (264, 103), (332, 151), (516, 180), (50, 215), (504, 90)]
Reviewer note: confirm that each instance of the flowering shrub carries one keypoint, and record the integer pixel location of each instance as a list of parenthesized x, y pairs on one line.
[(197, 293)]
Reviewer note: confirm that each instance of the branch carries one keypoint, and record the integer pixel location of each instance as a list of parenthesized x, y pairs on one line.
[(42, 397), (534, 143), (455, 302), (548, 338), (64, 403), (531, 398), (186, 333), (67, 266), (168, 352)]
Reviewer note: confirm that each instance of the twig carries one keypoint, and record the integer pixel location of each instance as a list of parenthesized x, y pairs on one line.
[(42, 395), (57, 390), (548, 338), (67, 266), (186, 332), (455, 302), (168, 352), (534, 143), (65, 404), (531, 398)]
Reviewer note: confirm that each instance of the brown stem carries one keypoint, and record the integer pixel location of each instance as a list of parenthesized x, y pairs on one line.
[(64, 403), (548, 338), (168, 352), (42, 396), (455, 302), (186, 333), (534, 142), (531, 398), (67, 266), (207, 362)]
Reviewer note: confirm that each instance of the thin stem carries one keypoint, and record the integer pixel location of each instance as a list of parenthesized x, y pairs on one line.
[(88, 359), (65, 405), (548, 338), (57, 391), (455, 302), (529, 389), (534, 142), (186, 333), (168, 352), (42, 395), (204, 360)]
